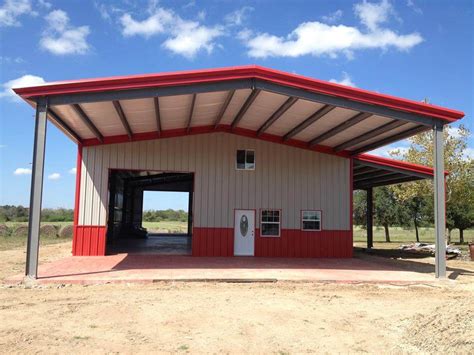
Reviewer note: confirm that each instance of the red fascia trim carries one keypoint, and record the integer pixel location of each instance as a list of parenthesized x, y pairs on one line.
[(396, 164), (236, 73), (179, 132)]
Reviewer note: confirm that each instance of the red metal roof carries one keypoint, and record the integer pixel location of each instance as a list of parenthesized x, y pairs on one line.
[(417, 168), (236, 73)]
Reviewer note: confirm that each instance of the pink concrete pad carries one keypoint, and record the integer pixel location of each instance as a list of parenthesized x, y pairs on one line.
[(151, 268)]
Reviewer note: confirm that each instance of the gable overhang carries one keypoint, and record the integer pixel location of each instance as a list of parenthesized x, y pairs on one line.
[(250, 100), (372, 171)]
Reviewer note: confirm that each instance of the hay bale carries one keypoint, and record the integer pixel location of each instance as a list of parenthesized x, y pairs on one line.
[(48, 230), (66, 231), (21, 231), (4, 230)]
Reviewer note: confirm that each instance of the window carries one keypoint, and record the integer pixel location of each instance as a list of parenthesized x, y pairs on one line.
[(245, 159), (270, 223), (311, 220)]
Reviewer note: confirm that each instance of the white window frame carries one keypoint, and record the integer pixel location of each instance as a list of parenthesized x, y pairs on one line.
[(245, 160), (262, 222), (311, 220)]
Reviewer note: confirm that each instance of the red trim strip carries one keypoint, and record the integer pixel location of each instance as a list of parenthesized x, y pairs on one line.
[(210, 129), (396, 164), (77, 197), (236, 73)]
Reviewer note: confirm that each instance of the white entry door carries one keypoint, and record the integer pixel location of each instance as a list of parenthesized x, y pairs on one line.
[(244, 232)]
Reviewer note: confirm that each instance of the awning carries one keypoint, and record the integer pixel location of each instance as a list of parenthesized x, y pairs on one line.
[(249, 100), (372, 171)]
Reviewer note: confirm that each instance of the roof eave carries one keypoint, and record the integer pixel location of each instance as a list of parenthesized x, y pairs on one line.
[(237, 73)]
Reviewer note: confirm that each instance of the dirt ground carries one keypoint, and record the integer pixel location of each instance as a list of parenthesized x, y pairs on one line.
[(234, 318)]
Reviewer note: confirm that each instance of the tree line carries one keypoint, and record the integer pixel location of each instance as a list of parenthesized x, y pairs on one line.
[(9, 213), (412, 204)]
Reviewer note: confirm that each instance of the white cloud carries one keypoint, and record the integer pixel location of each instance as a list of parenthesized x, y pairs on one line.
[(45, 4), (11, 10), (11, 60), (54, 176), (456, 132), (468, 153), (332, 17), (185, 37), (23, 81), (189, 38), (373, 14), (22, 171), (238, 17), (346, 80), (72, 171), (155, 24), (61, 38), (389, 151), (411, 4), (318, 39)]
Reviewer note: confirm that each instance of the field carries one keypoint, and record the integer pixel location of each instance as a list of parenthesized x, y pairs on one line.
[(400, 236)]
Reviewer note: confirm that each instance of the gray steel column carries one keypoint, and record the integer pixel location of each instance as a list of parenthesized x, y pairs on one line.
[(439, 202), (36, 189), (370, 218)]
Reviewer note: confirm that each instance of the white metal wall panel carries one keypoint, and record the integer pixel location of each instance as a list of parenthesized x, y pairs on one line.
[(296, 114), (67, 113), (261, 109), (285, 177), (140, 115), (174, 111), (207, 107), (356, 130), (235, 105), (392, 132), (105, 118), (328, 121)]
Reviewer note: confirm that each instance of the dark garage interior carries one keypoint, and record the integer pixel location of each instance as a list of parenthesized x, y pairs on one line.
[(125, 231)]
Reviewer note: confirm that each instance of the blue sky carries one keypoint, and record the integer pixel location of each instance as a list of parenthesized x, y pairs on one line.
[(409, 48)]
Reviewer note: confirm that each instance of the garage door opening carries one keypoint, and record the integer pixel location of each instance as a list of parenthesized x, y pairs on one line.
[(141, 216)]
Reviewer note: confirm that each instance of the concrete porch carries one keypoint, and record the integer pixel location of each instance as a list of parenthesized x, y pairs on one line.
[(125, 268)]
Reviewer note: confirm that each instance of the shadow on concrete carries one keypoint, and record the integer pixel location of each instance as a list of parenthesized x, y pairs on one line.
[(406, 261)]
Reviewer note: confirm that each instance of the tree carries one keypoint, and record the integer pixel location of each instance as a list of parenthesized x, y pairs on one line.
[(386, 209), (360, 208), (459, 181)]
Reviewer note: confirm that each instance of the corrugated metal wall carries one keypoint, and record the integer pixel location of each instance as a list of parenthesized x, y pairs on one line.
[(285, 178)]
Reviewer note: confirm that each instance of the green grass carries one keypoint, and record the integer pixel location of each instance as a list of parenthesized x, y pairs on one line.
[(400, 235), (169, 226)]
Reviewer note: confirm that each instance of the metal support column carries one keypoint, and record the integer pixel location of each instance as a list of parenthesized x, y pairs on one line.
[(370, 219), (439, 203), (36, 190)]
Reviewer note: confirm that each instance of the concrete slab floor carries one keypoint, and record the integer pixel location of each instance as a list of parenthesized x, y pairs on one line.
[(125, 268)]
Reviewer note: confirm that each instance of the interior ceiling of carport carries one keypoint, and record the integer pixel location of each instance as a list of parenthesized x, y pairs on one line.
[(259, 101), (175, 111)]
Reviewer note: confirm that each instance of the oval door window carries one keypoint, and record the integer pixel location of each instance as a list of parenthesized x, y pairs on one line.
[(244, 225)]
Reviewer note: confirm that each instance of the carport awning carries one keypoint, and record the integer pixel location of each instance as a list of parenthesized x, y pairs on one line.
[(372, 171), (250, 100)]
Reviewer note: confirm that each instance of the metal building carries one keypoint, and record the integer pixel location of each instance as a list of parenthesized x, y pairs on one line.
[(269, 159)]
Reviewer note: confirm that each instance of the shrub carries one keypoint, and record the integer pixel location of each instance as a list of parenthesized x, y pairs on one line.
[(48, 230), (66, 231), (4, 230)]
